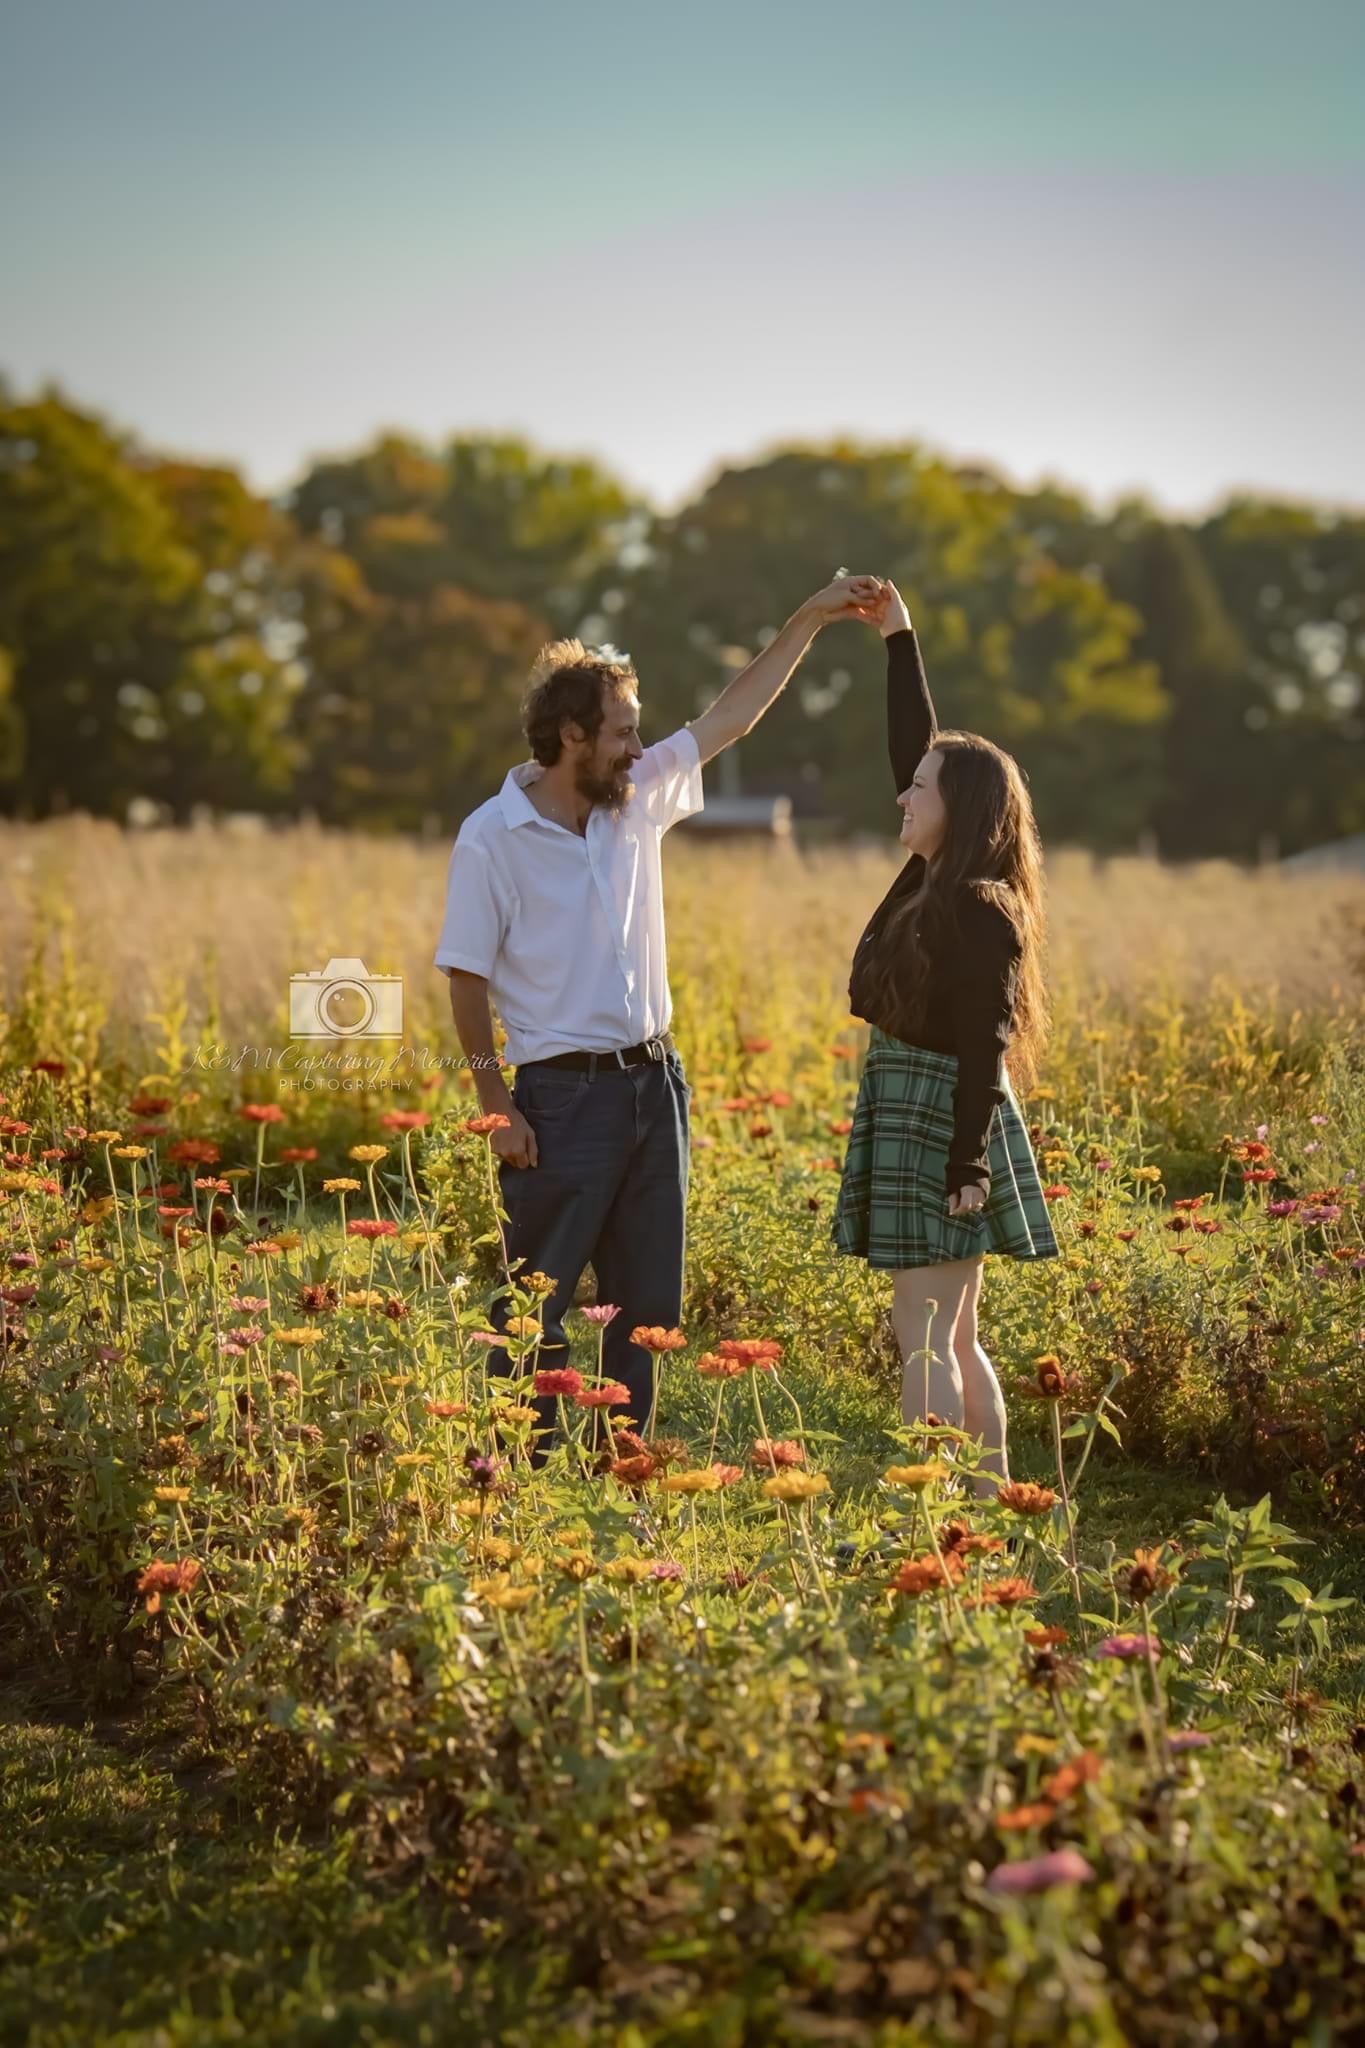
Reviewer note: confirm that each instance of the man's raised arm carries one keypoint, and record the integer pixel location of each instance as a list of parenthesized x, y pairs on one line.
[(743, 702)]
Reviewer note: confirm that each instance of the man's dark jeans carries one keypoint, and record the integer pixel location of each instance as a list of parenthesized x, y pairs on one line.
[(610, 1189)]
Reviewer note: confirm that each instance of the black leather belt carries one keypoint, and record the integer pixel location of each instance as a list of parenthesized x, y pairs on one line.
[(626, 1056)]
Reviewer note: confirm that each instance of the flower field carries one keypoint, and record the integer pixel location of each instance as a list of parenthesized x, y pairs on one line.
[(328, 1716)]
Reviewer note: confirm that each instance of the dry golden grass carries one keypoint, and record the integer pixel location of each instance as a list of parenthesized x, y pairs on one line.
[(132, 925)]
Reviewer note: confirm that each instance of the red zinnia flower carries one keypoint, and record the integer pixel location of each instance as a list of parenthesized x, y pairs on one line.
[(559, 1380), (482, 1126), (614, 1396), (193, 1152), (372, 1227), (261, 1113), (404, 1120)]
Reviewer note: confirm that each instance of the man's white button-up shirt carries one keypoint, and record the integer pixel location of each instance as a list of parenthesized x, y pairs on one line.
[(568, 930)]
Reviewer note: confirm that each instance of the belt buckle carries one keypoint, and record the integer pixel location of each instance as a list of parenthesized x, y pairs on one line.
[(656, 1049)]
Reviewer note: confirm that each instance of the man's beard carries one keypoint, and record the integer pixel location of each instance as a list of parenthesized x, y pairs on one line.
[(613, 789)]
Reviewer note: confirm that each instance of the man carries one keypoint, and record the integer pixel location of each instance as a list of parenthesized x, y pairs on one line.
[(554, 908)]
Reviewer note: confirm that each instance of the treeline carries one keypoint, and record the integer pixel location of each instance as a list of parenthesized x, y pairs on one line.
[(359, 649)]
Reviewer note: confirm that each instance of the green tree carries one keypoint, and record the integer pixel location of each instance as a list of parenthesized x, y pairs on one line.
[(135, 669)]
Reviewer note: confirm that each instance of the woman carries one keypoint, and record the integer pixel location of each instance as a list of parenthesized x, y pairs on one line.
[(939, 1169)]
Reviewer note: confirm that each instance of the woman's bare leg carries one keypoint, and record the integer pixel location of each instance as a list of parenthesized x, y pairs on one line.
[(931, 1382), (983, 1404)]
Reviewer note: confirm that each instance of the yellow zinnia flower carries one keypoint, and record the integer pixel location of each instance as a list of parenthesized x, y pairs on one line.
[(918, 1476), (510, 1598), (342, 1187), (704, 1481), (368, 1155), (795, 1485), (630, 1571)]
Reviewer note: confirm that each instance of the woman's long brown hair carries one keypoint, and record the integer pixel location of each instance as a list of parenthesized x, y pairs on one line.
[(990, 845)]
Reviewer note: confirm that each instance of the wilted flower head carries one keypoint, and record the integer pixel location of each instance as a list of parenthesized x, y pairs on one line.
[(481, 1469), (1051, 1382)]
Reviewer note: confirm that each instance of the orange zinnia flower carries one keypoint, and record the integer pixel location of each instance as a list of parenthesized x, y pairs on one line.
[(1024, 1498), (482, 1126), (261, 1113), (749, 1351), (712, 1366), (1035, 1816), (771, 1456), (653, 1337), (1079, 1770), (1008, 1593), (922, 1574)]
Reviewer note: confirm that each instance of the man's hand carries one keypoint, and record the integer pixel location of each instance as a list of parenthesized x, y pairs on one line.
[(847, 597), (517, 1144)]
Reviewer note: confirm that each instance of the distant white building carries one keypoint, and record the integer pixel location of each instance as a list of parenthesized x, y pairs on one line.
[(1334, 856)]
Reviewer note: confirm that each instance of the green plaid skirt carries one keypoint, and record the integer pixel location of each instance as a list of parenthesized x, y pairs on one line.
[(892, 1206)]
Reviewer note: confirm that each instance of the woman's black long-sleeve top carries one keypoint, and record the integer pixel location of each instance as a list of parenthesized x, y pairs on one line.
[(970, 992)]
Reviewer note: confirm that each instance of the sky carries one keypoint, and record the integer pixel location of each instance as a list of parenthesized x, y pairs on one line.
[(1120, 246)]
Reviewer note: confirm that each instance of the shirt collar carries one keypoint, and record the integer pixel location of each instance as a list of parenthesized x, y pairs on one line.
[(517, 808)]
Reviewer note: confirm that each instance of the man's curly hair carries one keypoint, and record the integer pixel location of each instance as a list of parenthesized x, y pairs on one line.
[(569, 681)]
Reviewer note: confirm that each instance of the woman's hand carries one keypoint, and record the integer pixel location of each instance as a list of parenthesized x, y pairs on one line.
[(967, 1200), (847, 597), (893, 615)]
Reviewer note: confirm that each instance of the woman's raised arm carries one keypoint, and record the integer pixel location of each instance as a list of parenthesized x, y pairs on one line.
[(910, 720)]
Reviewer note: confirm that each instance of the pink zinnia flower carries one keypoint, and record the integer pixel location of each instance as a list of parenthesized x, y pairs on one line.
[(1126, 1646), (1190, 1738), (599, 1311), (1040, 1873)]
